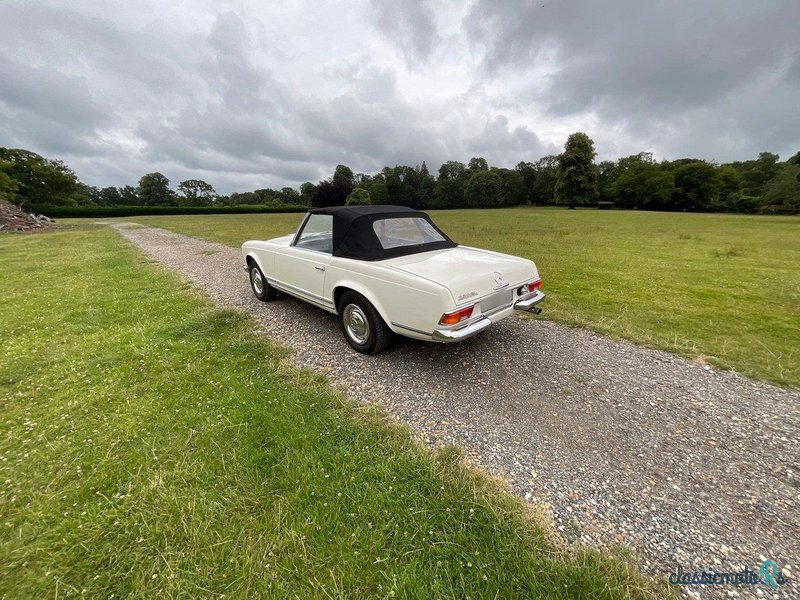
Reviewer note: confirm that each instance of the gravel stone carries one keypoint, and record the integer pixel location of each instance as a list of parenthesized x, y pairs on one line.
[(679, 462)]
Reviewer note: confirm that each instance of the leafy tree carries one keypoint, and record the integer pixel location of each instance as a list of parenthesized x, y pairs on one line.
[(154, 190), (196, 192), (527, 173), (128, 196), (362, 180), (449, 190), (358, 196), (730, 197), (306, 192), (476, 164), (401, 183), (639, 182), (288, 195), (511, 186), (8, 185), (378, 193), (697, 185), (756, 174), (484, 189), (576, 182), (606, 174), (426, 184), (784, 189), (40, 180), (544, 185), (344, 176), (109, 196)]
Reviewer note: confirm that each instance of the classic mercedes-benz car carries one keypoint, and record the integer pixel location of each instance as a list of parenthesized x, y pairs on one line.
[(387, 269)]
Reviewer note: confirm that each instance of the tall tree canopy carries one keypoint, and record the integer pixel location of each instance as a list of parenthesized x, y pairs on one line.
[(37, 181), (484, 190), (576, 184), (196, 192), (154, 190)]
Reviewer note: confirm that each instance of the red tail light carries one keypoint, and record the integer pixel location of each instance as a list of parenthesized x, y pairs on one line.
[(456, 316), (530, 287)]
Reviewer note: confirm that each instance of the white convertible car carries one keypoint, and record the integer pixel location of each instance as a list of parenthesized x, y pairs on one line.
[(386, 269)]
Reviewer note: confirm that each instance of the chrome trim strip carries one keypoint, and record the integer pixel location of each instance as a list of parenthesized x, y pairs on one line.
[(527, 302), (455, 335), (290, 289), (411, 329)]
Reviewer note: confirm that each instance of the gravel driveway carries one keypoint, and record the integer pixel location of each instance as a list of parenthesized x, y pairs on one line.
[(679, 462)]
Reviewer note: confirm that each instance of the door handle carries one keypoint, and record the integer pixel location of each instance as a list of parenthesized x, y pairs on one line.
[(320, 268)]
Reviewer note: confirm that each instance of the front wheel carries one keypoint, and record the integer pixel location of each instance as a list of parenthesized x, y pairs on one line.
[(362, 325), (262, 290)]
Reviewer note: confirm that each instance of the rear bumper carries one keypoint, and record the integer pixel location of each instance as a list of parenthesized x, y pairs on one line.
[(529, 302), (454, 335)]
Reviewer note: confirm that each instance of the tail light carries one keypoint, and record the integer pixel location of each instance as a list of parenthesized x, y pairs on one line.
[(456, 316), (530, 287)]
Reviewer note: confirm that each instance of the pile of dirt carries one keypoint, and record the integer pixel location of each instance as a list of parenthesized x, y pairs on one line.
[(13, 218)]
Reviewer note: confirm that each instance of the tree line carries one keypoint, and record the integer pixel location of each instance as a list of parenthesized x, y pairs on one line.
[(572, 178)]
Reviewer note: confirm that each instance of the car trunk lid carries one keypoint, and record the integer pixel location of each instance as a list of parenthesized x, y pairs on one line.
[(469, 273)]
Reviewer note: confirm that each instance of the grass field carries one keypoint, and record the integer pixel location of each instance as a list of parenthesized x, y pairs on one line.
[(153, 446), (724, 289)]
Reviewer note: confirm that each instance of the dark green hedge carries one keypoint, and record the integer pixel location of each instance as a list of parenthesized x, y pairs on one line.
[(56, 212)]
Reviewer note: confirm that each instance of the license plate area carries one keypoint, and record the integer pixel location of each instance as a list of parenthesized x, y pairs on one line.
[(499, 300)]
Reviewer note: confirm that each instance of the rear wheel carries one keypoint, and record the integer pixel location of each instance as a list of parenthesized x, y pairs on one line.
[(362, 325), (262, 290)]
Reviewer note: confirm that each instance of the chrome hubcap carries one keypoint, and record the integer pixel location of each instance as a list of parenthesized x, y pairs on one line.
[(356, 324), (256, 280)]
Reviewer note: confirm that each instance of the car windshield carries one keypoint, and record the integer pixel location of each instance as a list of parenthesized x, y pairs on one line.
[(397, 232), (317, 234)]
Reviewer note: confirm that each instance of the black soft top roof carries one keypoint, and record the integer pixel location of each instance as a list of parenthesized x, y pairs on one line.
[(354, 236)]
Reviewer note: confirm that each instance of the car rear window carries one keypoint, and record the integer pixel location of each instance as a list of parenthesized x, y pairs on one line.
[(397, 232)]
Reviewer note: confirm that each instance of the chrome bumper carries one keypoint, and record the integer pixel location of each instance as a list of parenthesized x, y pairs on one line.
[(454, 335), (526, 303), (529, 303)]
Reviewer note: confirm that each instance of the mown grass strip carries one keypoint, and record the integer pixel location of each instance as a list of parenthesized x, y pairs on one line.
[(153, 446), (718, 288)]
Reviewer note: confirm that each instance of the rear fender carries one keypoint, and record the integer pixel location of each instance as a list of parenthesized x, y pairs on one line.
[(364, 291)]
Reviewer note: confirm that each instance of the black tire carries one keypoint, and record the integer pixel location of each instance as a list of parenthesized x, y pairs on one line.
[(362, 325), (258, 283)]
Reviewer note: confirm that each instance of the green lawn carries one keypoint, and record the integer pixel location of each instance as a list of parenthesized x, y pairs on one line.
[(153, 446), (724, 289)]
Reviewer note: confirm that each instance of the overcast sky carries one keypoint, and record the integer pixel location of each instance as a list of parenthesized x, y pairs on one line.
[(250, 94)]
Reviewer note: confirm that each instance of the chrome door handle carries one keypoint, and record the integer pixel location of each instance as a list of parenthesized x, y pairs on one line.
[(320, 268)]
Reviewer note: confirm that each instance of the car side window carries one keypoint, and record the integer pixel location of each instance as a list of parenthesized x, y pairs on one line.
[(317, 234)]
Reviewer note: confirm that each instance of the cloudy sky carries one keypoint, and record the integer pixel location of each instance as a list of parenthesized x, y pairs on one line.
[(249, 94)]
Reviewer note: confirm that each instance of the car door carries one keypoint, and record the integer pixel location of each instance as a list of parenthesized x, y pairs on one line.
[(300, 267)]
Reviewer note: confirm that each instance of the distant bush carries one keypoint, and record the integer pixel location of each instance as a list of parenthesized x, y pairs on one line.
[(136, 211), (358, 197)]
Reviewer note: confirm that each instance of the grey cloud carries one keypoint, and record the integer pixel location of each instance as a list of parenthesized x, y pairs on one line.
[(411, 25), (502, 145), (626, 61), (51, 95)]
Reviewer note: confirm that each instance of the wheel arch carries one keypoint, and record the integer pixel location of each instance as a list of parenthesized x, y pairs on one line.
[(251, 258), (351, 286)]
